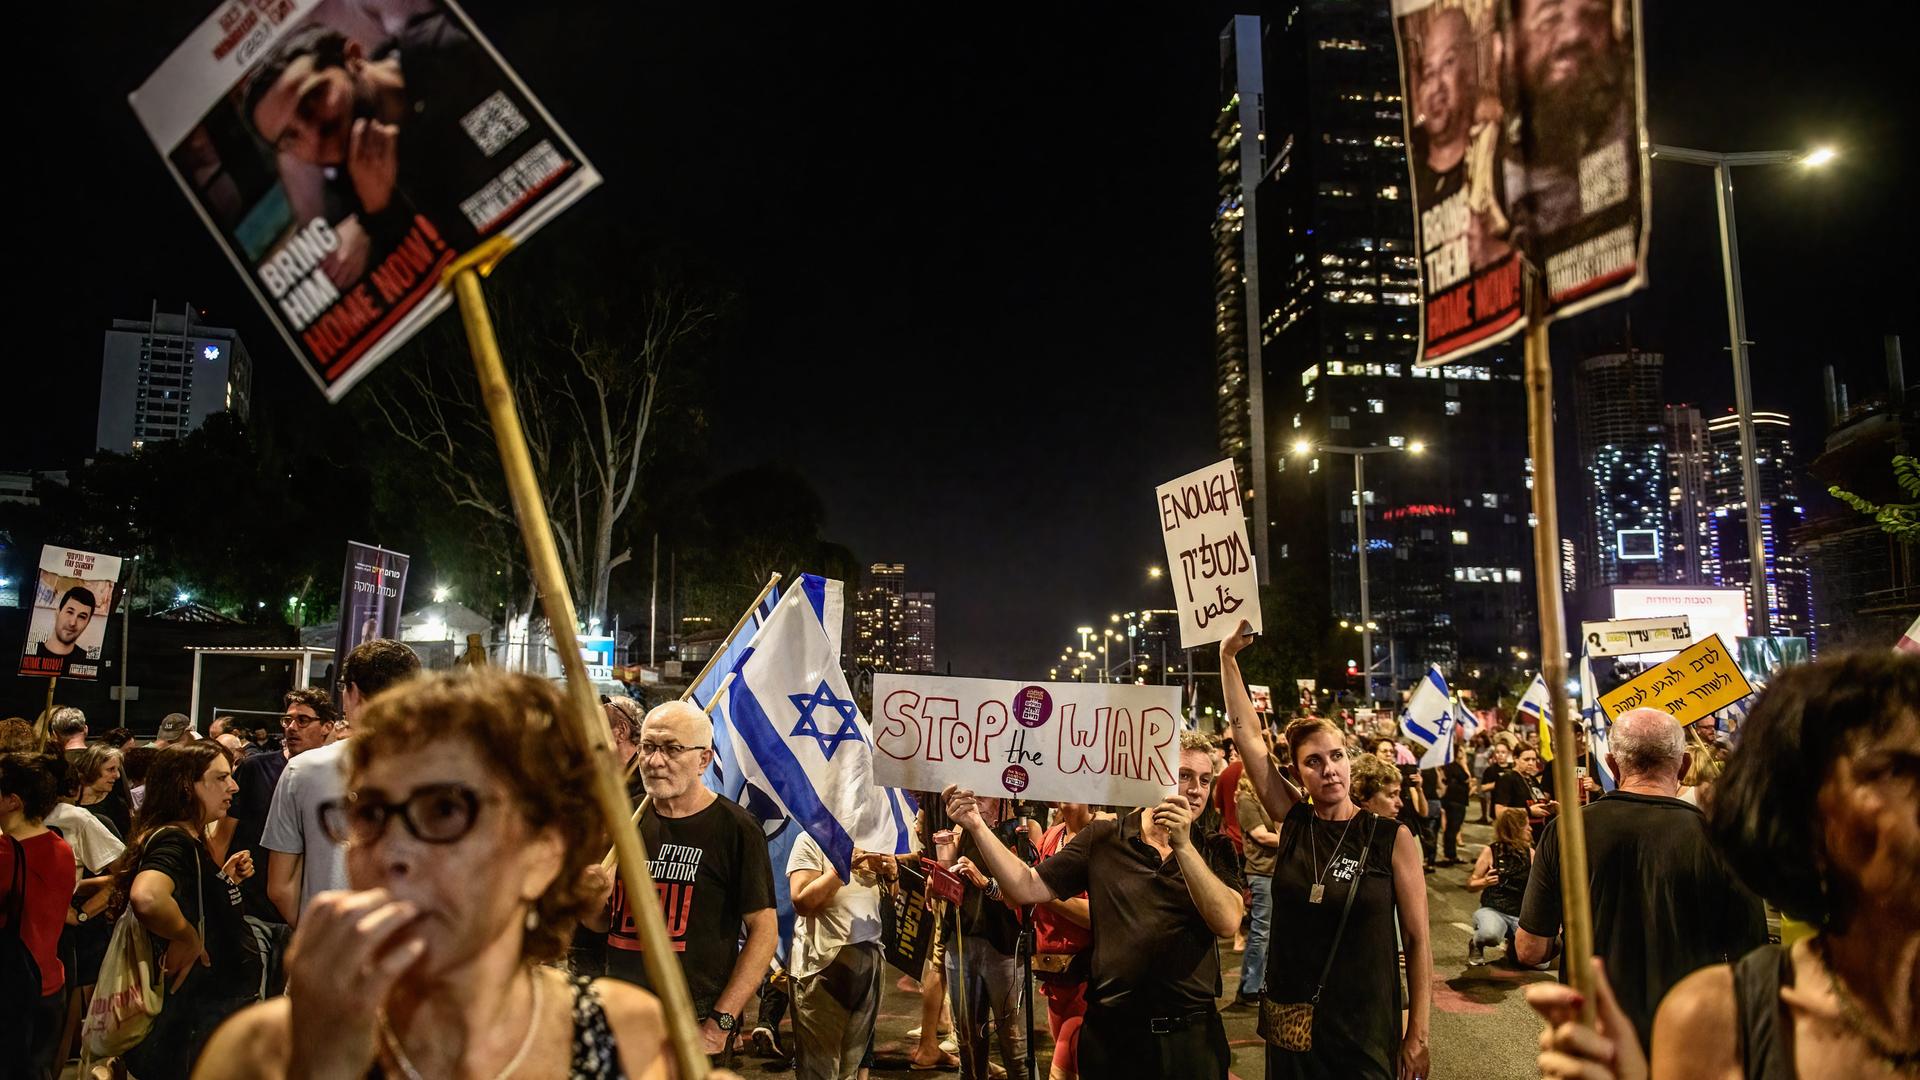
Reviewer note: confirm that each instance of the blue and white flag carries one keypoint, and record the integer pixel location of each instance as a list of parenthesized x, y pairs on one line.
[(800, 739), (1463, 716), (1537, 704), (1599, 727), (723, 775), (1428, 719)]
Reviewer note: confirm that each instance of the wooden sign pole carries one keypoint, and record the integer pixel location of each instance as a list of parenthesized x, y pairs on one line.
[(1577, 912), (530, 508)]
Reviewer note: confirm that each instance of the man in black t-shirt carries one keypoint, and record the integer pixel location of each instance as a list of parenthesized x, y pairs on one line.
[(1663, 904), (1159, 897), (710, 865)]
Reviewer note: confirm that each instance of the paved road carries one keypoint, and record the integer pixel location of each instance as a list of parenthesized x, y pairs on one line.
[(1481, 1026)]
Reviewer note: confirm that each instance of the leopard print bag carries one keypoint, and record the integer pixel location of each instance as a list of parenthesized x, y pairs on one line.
[(1289, 1025)]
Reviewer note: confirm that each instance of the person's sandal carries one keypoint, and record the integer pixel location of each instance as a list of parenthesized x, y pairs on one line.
[(947, 1063)]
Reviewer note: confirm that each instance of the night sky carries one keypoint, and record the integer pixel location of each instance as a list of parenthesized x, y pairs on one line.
[(971, 256)]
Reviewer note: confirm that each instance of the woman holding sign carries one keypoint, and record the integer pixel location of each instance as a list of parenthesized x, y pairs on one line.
[(1332, 1004), (469, 828)]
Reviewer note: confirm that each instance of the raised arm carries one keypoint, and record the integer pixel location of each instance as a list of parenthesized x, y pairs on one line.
[(1276, 792), (1018, 881)]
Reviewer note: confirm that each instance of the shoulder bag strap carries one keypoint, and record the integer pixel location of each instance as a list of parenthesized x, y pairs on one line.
[(1346, 909)]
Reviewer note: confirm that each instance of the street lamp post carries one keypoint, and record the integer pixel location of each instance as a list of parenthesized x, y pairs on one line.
[(1722, 165), (1359, 455)]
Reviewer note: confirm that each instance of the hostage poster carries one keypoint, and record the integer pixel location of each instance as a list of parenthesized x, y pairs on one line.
[(371, 591), (1526, 136), (73, 596), (345, 153)]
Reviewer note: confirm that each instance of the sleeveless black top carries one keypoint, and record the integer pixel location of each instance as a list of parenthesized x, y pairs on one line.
[(1514, 865), (595, 1055), (1766, 1030), (1356, 1025)]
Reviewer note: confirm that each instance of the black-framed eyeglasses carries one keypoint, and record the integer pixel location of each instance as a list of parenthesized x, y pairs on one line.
[(669, 750), (434, 814), (296, 720)]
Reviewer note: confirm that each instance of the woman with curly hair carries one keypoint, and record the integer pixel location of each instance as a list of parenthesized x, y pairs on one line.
[(469, 827)]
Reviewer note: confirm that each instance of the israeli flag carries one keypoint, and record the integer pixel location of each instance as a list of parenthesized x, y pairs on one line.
[(723, 776), (1463, 716), (1428, 719), (1537, 703), (799, 737), (1598, 727)]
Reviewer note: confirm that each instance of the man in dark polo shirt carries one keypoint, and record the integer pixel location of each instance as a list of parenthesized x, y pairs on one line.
[(1159, 898), (1664, 905)]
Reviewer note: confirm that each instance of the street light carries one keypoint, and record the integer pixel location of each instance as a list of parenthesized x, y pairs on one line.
[(1722, 166), (1359, 455), (1154, 572)]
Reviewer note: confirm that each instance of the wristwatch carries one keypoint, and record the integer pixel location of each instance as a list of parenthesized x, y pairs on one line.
[(81, 916), (725, 1021)]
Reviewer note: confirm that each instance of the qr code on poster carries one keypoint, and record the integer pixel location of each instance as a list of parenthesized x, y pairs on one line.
[(493, 123)]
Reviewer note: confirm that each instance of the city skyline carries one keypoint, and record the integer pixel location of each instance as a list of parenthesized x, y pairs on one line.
[(1024, 333)]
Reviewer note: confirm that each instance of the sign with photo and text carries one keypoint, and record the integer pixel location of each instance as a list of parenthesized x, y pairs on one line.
[(73, 597)]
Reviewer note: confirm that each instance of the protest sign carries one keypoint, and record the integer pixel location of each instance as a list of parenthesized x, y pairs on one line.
[(1631, 637), (1693, 683), (1525, 143), (1109, 743), (906, 924), (1262, 698), (371, 590), (73, 595), (343, 155), (1204, 524)]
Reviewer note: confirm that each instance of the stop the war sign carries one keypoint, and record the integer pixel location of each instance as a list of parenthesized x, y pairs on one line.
[(1115, 744)]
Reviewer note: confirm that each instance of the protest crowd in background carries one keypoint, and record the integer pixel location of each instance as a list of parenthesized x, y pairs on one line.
[(409, 882)]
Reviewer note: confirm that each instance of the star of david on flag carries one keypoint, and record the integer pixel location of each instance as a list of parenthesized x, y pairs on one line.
[(810, 727)]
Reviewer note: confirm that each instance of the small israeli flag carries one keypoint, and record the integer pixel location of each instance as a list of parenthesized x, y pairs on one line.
[(1597, 725), (1428, 719)]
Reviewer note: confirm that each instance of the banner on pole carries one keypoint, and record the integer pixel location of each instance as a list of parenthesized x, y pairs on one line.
[(906, 924), (1204, 523), (343, 155), (371, 590), (1262, 698), (1631, 637), (1525, 136), (1693, 683), (1110, 743), (73, 597)]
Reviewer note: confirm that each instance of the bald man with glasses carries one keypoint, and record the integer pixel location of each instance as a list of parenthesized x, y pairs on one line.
[(710, 864)]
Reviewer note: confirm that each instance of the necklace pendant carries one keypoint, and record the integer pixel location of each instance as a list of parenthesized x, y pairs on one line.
[(1317, 893)]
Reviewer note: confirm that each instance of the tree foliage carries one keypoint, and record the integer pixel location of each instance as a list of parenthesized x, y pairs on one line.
[(1901, 519)]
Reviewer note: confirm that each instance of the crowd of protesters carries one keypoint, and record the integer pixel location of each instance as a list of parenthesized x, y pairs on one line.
[(418, 866)]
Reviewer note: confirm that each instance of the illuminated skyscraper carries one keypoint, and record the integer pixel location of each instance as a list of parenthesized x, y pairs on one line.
[(1239, 139), (1623, 453), (893, 629), (162, 376), (1788, 597), (1689, 498), (1449, 566)]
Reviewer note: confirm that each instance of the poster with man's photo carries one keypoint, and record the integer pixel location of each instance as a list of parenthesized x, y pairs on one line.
[(372, 589), (345, 152), (73, 596), (1526, 137)]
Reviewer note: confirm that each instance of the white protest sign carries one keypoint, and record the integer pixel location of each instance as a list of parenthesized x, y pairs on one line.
[(1110, 743), (1204, 524), (1631, 637)]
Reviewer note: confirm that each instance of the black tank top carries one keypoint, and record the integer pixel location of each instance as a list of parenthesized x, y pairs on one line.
[(1356, 1026), (1514, 864), (1766, 1031)]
